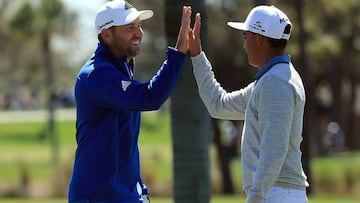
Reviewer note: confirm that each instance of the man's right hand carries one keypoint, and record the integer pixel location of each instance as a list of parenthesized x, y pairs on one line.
[(194, 37)]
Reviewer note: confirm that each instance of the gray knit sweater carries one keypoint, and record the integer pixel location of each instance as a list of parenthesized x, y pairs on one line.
[(273, 110)]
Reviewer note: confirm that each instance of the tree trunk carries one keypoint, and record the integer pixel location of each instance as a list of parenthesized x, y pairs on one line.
[(309, 107), (347, 106), (225, 154), (51, 130), (190, 120), (354, 142)]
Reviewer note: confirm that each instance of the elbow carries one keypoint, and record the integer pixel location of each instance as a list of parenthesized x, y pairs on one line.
[(156, 105), (152, 107), (212, 107), (214, 113)]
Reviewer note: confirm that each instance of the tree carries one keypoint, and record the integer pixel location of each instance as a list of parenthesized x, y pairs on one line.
[(18, 34), (33, 28), (51, 10), (308, 115), (52, 18), (189, 120), (227, 149)]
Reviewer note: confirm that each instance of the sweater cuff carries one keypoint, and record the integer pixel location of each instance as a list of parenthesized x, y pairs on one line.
[(198, 59), (201, 64), (175, 51)]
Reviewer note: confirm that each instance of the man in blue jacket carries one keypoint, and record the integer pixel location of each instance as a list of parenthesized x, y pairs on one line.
[(109, 102)]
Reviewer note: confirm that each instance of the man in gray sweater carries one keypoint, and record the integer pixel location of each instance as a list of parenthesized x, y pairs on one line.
[(272, 107)]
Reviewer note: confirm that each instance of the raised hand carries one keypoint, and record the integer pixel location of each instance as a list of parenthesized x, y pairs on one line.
[(182, 43), (194, 37)]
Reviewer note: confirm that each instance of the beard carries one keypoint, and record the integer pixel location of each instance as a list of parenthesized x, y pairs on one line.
[(133, 51)]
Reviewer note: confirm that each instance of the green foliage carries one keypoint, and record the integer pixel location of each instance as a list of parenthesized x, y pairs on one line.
[(25, 31), (51, 9), (150, 133), (337, 175), (54, 18), (22, 22)]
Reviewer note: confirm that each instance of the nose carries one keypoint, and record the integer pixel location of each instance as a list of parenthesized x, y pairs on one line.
[(139, 32)]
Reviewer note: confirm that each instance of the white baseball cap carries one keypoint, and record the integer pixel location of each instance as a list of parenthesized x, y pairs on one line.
[(118, 12), (268, 21)]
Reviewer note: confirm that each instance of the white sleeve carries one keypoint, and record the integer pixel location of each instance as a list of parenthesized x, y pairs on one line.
[(219, 103)]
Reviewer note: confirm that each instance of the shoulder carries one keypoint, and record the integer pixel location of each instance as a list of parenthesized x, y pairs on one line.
[(99, 71), (281, 71), (283, 81)]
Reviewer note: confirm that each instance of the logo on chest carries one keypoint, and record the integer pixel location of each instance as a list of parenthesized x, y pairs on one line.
[(125, 84)]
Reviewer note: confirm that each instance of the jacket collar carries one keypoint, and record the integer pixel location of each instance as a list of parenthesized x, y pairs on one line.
[(120, 63), (271, 63)]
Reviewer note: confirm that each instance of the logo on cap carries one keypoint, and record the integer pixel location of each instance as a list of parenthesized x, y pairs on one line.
[(105, 24), (257, 26), (128, 6), (283, 20)]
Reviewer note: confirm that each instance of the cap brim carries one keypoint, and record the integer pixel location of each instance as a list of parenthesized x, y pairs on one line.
[(237, 25), (142, 15), (145, 14)]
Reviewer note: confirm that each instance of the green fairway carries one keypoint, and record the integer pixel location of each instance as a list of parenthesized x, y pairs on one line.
[(25, 155), (214, 199)]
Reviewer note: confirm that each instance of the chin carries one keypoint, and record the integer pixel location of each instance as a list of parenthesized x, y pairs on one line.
[(253, 64), (135, 54)]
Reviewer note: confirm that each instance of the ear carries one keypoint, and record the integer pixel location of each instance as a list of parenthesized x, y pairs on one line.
[(260, 39), (106, 35)]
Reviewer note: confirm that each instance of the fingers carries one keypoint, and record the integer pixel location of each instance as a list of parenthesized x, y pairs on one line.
[(186, 16), (194, 37), (197, 26), (182, 43), (189, 39)]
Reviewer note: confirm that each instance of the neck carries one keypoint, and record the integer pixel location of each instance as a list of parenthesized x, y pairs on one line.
[(268, 55)]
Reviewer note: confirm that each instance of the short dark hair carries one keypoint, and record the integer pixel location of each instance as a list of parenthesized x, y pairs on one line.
[(280, 43), (101, 40), (277, 43)]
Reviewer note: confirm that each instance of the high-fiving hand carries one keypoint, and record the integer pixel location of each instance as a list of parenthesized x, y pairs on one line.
[(189, 39), (182, 43), (194, 37)]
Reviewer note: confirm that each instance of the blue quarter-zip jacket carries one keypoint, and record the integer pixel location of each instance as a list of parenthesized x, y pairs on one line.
[(108, 106)]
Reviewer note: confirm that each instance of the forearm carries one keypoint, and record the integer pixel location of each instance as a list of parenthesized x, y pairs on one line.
[(164, 81), (220, 104)]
